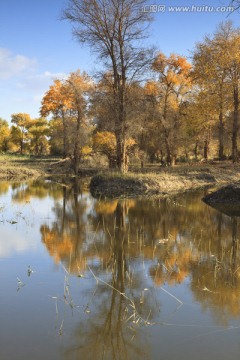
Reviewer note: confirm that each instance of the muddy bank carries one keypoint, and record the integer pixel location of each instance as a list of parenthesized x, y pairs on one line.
[(114, 186), (15, 173), (225, 199), (165, 181), (157, 181), (131, 185)]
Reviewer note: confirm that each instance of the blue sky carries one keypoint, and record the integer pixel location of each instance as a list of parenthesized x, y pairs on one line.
[(36, 47)]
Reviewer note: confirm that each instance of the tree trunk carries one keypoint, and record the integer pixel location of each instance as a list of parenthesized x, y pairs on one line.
[(76, 152), (235, 125), (196, 150), (64, 136), (221, 129), (221, 126), (121, 153), (21, 147), (166, 135), (112, 161), (205, 149), (168, 150), (120, 122), (173, 160)]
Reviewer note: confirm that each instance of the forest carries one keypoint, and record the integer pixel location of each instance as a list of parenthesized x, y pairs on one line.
[(143, 106)]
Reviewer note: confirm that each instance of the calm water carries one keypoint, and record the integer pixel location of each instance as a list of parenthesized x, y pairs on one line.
[(131, 279)]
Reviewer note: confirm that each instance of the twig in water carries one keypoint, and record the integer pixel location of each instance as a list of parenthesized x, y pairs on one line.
[(20, 284), (29, 270), (174, 297), (137, 319), (61, 328), (56, 299)]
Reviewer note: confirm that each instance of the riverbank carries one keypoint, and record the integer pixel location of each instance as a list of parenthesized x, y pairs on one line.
[(14, 167), (23, 167), (165, 182), (152, 180)]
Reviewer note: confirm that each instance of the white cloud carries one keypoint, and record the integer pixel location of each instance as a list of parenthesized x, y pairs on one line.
[(14, 65), (22, 84), (14, 244), (39, 82)]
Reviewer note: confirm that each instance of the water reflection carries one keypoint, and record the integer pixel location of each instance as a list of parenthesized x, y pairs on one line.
[(219, 275), (100, 231), (175, 239), (122, 255)]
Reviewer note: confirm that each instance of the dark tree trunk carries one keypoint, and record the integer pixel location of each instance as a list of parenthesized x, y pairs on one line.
[(168, 150), (76, 152), (235, 126), (196, 150), (221, 133), (221, 127), (64, 135), (21, 147), (205, 149)]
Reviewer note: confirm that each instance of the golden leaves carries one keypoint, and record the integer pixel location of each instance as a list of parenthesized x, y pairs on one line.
[(173, 70), (104, 141), (65, 94)]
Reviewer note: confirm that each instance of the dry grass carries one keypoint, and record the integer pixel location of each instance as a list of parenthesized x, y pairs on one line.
[(165, 180), (153, 179), (22, 167)]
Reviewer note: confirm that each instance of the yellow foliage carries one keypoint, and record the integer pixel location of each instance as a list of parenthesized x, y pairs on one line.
[(174, 70), (86, 150), (105, 142), (151, 88), (56, 99), (106, 207)]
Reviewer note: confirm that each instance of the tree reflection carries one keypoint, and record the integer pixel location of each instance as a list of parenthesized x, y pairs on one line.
[(4, 187), (25, 191), (110, 336), (65, 236), (131, 245), (215, 279), (117, 306)]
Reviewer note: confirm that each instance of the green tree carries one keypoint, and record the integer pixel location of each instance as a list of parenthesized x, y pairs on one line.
[(20, 132), (38, 130)]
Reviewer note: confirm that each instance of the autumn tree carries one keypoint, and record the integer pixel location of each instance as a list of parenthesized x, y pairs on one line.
[(67, 100), (105, 143), (56, 137), (19, 131), (167, 94), (58, 103), (79, 86), (38, 130), (112, 28), (216, 72), (4, 135), (102, 110), (199, 129), (228, 39)]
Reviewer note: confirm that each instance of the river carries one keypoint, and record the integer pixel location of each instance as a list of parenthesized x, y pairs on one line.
[(82, 278)]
